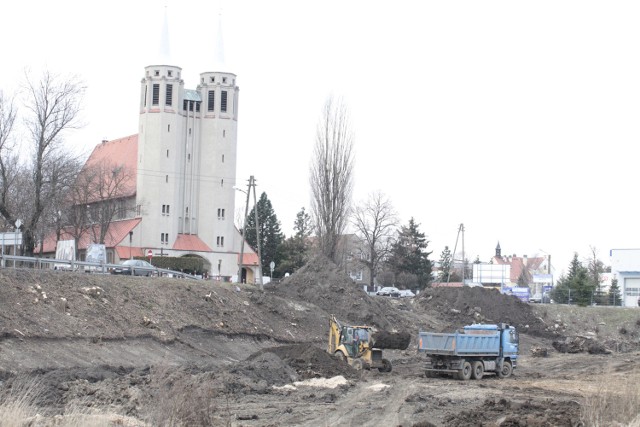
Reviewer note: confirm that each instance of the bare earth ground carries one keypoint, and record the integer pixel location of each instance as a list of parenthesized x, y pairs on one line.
[(158, 351)]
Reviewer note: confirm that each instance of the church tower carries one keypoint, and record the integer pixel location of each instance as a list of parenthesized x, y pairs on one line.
[(186, 165)]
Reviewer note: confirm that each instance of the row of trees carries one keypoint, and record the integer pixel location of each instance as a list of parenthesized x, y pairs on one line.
[(42, 185), (582, 284), (397, 256)]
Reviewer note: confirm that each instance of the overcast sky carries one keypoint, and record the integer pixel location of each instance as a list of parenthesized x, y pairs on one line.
[(517, 119)]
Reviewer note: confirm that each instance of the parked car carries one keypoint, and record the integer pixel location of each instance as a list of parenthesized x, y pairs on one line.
[(140, 268), (389, 291), (406, 293)]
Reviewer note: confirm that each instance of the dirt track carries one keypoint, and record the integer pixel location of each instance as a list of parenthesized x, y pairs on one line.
[(175, 352)]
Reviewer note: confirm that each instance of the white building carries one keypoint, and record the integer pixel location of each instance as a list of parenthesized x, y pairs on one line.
[(625, 266)]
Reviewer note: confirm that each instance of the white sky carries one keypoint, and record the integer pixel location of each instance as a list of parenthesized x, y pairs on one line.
[(518, 119)]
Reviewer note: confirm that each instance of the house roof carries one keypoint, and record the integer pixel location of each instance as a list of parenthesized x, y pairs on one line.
[(190, 242), (119, 152), (116, 233), (125, 252), (249, 258)]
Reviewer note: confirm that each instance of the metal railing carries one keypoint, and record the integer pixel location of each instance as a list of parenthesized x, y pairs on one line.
[(11, 261)]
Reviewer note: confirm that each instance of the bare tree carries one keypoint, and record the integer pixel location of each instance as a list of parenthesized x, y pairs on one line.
[(53, 106), (8, 158), (100, 194), (331, 177), (375, 221)]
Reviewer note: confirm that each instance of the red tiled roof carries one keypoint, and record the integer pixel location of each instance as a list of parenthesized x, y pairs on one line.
[(249, 259), (190, 242), (447, 285), (119, 152), (116, 233), (124, 252)]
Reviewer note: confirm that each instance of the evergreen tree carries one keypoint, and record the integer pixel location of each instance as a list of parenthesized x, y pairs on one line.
[(576, 288), (615, 298), (270, 235), (293, 251), (303, 226), (445, 265), (409, 255)]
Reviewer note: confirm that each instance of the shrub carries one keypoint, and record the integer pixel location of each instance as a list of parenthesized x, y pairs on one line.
[(614, 402)]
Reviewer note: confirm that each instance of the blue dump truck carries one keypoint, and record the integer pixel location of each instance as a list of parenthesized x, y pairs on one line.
[(471, 351)]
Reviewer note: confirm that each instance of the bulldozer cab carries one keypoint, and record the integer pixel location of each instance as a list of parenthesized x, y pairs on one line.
[(355, 339)]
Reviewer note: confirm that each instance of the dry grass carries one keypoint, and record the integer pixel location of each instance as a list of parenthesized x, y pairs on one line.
[(615, 402), (19, 408)]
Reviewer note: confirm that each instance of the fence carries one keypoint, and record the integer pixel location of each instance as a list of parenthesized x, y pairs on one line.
[(8, 261)]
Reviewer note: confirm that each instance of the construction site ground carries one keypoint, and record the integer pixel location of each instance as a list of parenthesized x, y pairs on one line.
[(143, 351)]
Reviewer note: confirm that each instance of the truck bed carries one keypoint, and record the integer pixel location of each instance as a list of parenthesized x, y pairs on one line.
[(460, 344)]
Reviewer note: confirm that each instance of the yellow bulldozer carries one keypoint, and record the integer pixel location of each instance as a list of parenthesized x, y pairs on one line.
[(361, 346)]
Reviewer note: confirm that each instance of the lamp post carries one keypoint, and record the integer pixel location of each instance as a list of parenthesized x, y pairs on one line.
[(130, 239)]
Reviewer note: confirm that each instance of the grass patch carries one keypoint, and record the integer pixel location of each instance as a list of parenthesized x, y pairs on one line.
[(615, 402)]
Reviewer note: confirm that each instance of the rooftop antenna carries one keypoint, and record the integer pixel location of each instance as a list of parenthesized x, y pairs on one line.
[(164, 50)]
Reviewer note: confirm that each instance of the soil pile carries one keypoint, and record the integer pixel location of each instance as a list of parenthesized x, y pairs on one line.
[(391, 340), (462, 306), (308, 361), (321, 283)]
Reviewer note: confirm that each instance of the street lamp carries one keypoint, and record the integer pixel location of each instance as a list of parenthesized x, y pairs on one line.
[(130, 238)]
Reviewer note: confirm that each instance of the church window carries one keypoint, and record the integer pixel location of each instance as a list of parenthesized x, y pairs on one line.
[(184, 105), (197, 107), (169, 95), (211, 100), (156, 94), (213, 79), (224, 80), (223, 101), (166, 178), (169, 73), (223, 158), (145, 96), (220, 213), (189, 131), (221, 182), (168, 128), (156, 73), (167, 153), (224, 133), (190, 105), (220, 240)]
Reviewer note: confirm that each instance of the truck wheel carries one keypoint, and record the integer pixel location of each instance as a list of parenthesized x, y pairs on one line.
[(465, 373), (477, 370), (386, 366), (506, 370)]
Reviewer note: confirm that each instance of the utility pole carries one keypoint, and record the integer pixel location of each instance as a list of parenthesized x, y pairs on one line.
[(255, 210), (251, 185), (244, 231)]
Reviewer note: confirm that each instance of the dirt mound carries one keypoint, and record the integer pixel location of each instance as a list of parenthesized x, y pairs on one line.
[(518, 413), (465, 305), (391, 340), (308, 361), (324, 284), (580, 345)]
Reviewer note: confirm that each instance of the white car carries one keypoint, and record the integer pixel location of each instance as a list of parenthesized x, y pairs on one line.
[(389, 291), (406, 293)]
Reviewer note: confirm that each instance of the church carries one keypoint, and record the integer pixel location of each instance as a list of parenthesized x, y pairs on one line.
[(177, 197)]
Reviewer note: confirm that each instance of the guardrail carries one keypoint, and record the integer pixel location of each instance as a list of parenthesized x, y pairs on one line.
[(83, 266)]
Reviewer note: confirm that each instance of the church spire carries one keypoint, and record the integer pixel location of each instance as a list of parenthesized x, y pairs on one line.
[(498, 251), (164, 52), (219, 62)]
